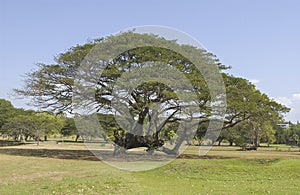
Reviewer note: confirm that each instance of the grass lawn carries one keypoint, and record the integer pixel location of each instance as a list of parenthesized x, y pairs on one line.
[(30, 169)]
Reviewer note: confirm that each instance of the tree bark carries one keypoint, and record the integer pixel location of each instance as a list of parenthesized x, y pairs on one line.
[(220, 141), (77, 137)]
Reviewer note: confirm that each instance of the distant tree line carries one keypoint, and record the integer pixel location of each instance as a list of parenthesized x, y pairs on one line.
[(22, 125), (290, 135)]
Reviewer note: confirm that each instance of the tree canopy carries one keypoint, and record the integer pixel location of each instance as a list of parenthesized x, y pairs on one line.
[(145, 108), (6, 111)]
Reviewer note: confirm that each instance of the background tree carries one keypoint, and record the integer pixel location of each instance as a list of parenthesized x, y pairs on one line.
[(255, 111), (268, 135), (69, 127), (27, 124), (281, 135), (6, 111), (293, 134), (47, 124), (19, 127)]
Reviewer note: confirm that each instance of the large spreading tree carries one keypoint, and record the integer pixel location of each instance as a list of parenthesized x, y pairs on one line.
[(145, 108)]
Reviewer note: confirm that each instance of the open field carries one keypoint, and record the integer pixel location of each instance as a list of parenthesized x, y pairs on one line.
[(69, 168)]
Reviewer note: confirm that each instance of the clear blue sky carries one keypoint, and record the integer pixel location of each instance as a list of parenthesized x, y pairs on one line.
[(259, 39)]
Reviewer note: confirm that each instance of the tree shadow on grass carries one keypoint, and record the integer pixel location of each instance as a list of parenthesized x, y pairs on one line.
[(51, 153), (195, 156), (9, 143), (93, 155)]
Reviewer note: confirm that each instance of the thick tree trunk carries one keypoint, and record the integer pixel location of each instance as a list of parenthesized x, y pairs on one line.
[(256, 144), (129, 141), (77, 137), (175, 150), (135, 141), (138, 128), (220, 141)]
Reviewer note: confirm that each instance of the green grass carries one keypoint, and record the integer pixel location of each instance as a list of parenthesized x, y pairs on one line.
[(222, 172)]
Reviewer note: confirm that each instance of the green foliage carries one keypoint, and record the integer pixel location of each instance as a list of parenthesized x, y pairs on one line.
[(52, 86), (172, 134), (242, 142), (24, 124), (6, 111), (69, 127), (20, 127), (293, 134), (268, 134), (252, 117), (109, 125)]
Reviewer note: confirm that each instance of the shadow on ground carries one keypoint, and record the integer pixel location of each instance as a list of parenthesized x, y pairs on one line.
[(51, 153), (89, 155)]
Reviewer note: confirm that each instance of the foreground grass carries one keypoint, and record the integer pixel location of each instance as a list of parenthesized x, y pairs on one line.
[(229, 175)]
